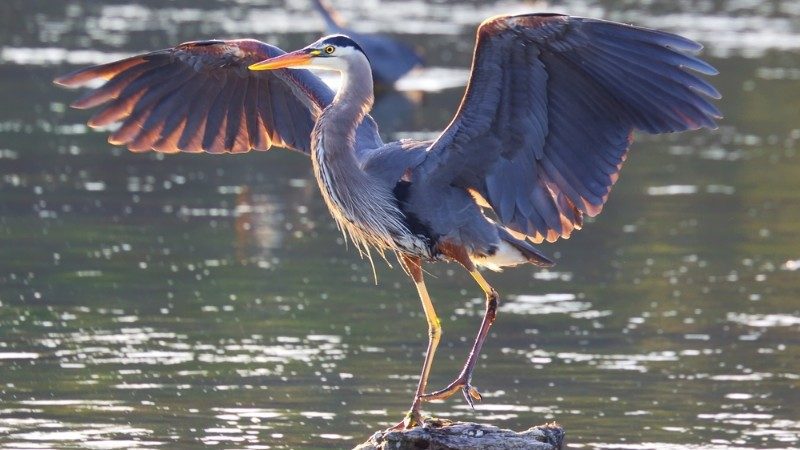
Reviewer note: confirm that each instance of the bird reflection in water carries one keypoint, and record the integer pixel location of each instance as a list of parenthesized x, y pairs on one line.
[(263, 221), (258, 227)]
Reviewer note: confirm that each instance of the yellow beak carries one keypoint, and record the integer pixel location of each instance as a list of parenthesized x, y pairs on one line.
[(287, 60)]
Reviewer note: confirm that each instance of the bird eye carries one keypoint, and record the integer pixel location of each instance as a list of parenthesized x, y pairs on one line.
[(329, 49)]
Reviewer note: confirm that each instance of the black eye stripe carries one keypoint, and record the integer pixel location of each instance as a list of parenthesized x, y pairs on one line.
[(341, 41)]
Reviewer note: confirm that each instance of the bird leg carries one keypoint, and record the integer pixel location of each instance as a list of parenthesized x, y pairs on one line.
[(413, 267), (464, 379)]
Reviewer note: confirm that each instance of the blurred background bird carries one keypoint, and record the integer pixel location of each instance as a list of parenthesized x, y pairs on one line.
[(389, 58), (537, 143)]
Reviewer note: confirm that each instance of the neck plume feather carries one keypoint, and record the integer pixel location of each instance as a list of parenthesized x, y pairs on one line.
[(363, 207)]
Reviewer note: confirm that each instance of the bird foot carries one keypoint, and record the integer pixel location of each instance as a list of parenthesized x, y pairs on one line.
[(412, 419), (463, 383)]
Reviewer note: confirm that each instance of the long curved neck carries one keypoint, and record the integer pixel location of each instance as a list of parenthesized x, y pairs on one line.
[(352, 102), (362, 206)]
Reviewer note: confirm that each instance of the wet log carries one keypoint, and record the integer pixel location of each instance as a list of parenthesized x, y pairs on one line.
[(440, 434)]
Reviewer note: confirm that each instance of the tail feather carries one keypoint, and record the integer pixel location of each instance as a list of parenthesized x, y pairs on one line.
[(511, 252), (531, 253)]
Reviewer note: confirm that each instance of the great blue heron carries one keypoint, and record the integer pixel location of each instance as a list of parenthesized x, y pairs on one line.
[(390, 59), (538, 141)]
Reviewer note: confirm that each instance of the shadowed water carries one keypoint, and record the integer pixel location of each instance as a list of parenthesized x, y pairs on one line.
[(186, 301)]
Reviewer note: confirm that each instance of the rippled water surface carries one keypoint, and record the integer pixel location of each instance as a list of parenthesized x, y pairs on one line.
[(192, 300)]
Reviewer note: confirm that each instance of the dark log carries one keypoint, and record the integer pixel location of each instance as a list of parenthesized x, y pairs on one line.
[(440, 434)]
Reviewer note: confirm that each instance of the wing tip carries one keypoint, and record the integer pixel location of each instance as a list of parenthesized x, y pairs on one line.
[(699, 65), (106, 71), (73, 79), (84, 103)]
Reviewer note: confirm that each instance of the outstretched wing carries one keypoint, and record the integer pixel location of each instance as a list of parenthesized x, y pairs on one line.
[(200, 97), (546, 121)]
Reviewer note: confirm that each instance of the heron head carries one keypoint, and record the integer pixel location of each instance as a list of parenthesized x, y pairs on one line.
[(331, 53)]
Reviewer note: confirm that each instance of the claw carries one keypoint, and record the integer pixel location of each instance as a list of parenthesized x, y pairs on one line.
[(470, 393), (475, 394), (467, 397), (399, 426)]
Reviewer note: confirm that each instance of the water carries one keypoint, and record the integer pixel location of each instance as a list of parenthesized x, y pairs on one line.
[(190, 301)]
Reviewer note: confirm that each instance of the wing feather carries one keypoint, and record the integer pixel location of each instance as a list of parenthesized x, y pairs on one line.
[(265, 112), (174, 122), (191, 137), (233, 133), (216, 115), (254, 130), (545, 124), (111, 89), (200, 97)]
